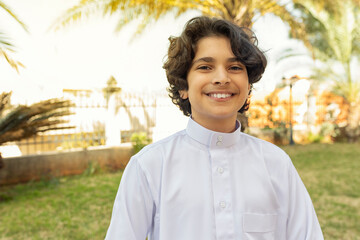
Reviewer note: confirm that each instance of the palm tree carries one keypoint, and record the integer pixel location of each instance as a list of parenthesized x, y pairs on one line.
[(5, 45), (19, 122), (333, 32), (241, 12), (22, 121)]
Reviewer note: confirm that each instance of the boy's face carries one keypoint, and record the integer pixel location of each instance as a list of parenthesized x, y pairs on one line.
[(218, 84)]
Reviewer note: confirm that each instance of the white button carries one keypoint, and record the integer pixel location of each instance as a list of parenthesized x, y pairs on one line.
[(220, 138), (222, 204), (218, 143), (220, 170)]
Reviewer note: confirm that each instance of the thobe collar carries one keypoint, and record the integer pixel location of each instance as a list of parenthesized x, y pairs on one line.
[(211, 138)]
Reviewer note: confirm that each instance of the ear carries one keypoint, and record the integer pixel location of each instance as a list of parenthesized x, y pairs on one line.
[(183, 94)]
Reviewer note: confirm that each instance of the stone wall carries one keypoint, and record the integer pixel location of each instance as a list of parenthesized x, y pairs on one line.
[(35, 167)]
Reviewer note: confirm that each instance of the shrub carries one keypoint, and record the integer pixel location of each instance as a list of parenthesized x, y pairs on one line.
[(139, 140), (327, 133)]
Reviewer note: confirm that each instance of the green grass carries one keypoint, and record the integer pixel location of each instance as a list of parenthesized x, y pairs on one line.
[(80, 207), (331, 175), (66, 208)]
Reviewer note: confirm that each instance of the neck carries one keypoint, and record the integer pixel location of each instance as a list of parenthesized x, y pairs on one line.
[(218, 125)]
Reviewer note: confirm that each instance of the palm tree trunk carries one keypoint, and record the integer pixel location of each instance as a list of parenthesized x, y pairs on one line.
[(352, 129), (348, 70), (1, 162)]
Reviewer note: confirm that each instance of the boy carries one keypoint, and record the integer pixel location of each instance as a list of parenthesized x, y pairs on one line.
[(211, 181)]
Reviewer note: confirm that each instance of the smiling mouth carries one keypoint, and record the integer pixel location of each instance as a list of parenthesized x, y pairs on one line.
[(220, 95)]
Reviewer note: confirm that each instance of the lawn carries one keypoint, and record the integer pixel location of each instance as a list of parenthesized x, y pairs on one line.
[(331, 175), (80, 207), (66, 208)]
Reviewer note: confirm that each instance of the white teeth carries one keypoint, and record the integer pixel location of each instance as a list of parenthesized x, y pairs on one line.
[(220, 95)]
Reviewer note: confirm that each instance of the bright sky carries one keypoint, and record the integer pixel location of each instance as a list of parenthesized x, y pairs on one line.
[(86, 54)]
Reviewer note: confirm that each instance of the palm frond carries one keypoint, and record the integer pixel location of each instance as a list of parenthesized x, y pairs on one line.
[(13, 63), (331, 27), (26, 121), (5, 42), (325, 74), (148, 11), (287, 53), (83, 10), (4, 102), (13, 15), (349, 90)]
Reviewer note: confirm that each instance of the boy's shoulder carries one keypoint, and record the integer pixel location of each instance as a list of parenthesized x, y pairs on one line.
[(156, 150), (270, 151)]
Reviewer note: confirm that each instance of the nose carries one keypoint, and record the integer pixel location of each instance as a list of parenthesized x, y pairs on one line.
[(220, 77)]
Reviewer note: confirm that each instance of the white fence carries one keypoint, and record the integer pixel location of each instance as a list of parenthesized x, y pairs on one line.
[(100, 121)]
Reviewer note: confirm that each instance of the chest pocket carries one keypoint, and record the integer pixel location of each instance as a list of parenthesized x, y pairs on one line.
[(259, 226)]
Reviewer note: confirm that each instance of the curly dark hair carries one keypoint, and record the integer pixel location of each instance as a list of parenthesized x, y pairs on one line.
[(182, 51)]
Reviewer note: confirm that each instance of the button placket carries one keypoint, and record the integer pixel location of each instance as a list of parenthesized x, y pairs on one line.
[(221, 190), (219, 140)]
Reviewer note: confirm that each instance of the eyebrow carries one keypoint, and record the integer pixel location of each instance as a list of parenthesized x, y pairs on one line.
[(210, 60)]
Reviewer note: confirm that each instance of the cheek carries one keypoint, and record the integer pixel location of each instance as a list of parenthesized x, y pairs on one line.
[(246, 83), (194, 86), (243, 84)]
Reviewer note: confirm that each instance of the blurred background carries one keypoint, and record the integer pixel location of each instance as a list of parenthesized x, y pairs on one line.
[(82, 88), (108, 62)]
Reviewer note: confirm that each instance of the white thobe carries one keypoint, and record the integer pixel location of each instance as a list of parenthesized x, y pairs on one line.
[(203, 185)]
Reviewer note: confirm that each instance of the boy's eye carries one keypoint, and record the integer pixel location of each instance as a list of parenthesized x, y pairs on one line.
[(204, 67), (236, 68)]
